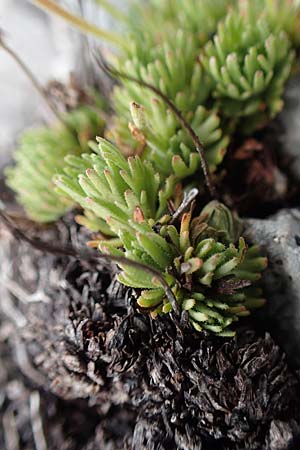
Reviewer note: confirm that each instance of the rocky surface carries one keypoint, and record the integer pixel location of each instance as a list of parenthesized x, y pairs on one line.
[(279, 236), (46, 49), (290, 119), (51, 49)]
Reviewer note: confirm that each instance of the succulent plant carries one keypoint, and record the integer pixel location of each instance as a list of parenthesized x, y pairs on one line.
[(210, 276), (157, 21), (163, 48), (249, 63), (246, 66), (170, 59), (115, 192), (161, 140), (41, 155), (281, 14), (158, 140), (204, 259)]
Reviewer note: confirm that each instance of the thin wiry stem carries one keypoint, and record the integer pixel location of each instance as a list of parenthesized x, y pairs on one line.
[(78, 22), (86, 255), (32, 78), (195, 138), (112, 10)]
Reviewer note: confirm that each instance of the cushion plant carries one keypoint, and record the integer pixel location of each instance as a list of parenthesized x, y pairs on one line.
[(249, 64), (165, 47), (203, 258), (194, 76), (189, 92), (232, 72), (173, 50), (238, 73), (41, 155), (281, 15), (241, 73)]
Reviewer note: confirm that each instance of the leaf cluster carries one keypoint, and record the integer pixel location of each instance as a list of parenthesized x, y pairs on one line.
[(40, 156), (113, 190), (232, 69), (249, 65), (227, 74), (203, 258)]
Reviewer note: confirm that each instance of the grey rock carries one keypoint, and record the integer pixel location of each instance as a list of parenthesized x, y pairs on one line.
[(279, 236), (45, 49), (290, 119), (52, 50)]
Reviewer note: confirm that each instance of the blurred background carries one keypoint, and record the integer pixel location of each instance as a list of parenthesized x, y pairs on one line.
[(50, 48)]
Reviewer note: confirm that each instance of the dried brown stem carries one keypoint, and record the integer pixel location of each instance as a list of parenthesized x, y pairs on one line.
[(32, 78), (86, 255), (195, 138)]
